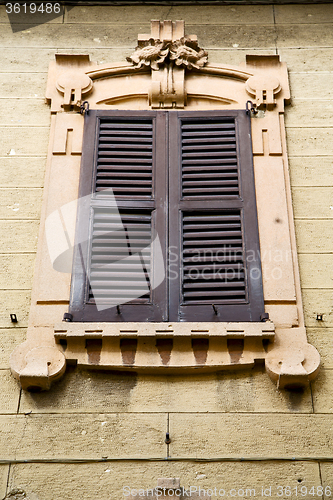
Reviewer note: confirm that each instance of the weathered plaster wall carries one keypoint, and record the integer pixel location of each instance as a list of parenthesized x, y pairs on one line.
[(95, 414)]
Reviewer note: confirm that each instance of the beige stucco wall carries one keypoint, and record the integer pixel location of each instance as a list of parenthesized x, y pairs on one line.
[(96, 414)]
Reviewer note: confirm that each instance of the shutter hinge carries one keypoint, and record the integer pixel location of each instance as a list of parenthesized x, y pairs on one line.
[(264, 317), (84, 108), (251, 108), (68, 317)]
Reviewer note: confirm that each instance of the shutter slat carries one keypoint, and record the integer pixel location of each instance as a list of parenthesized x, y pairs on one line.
[(205, 124), (194, 182), (217, 191), (227, 150), (211, 218), (121, 139), (119, 175), (214, 258), (216, 146), (217, 176), (197, 139), (214, 266), (228, 164), (117, 124), (211, 234), (125, 147), (229, 226), (123, 168), (215, 295), (126, 154), (107, 262), (221, 284)]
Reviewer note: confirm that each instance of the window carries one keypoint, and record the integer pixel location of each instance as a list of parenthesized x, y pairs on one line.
[(167, 228)]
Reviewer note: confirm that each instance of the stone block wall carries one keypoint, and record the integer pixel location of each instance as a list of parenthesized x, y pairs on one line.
[(225, 417)]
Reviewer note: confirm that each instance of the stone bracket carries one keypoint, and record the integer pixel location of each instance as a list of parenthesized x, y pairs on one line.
[(167, 88), (291, 362)]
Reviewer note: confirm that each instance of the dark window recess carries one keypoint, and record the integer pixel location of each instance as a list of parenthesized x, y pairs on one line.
[(184, 189)]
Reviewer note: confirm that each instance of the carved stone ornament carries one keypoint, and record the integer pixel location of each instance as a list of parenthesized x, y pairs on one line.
[(74, 86), (186, 52), (168, 52), (151, 54), (263, 88)]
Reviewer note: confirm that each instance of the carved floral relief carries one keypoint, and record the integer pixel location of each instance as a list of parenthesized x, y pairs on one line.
[(184, 52)]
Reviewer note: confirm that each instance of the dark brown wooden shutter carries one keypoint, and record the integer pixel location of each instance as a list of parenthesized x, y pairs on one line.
[(115, 261), (213, 221), (209, 232)]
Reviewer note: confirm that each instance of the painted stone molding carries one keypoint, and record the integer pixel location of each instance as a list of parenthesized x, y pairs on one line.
[(168, 488), (182, 347), (173, 347)]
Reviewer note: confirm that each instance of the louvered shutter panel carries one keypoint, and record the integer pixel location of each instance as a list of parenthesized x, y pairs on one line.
[(213, 221), (120, 241)]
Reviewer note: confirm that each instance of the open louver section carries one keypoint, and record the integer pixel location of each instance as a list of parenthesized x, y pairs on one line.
[(209, 158), (120, 256), (213, 261), (125, 157)]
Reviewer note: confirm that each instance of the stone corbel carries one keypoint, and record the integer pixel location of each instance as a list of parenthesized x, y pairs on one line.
[(292, 363), (37, 367)]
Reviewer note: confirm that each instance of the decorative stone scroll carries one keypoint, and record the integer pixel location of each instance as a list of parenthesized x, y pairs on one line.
[(74, 86), (167, 70)]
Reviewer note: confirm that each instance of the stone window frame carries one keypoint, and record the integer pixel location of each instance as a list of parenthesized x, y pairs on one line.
[(169, 70)]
